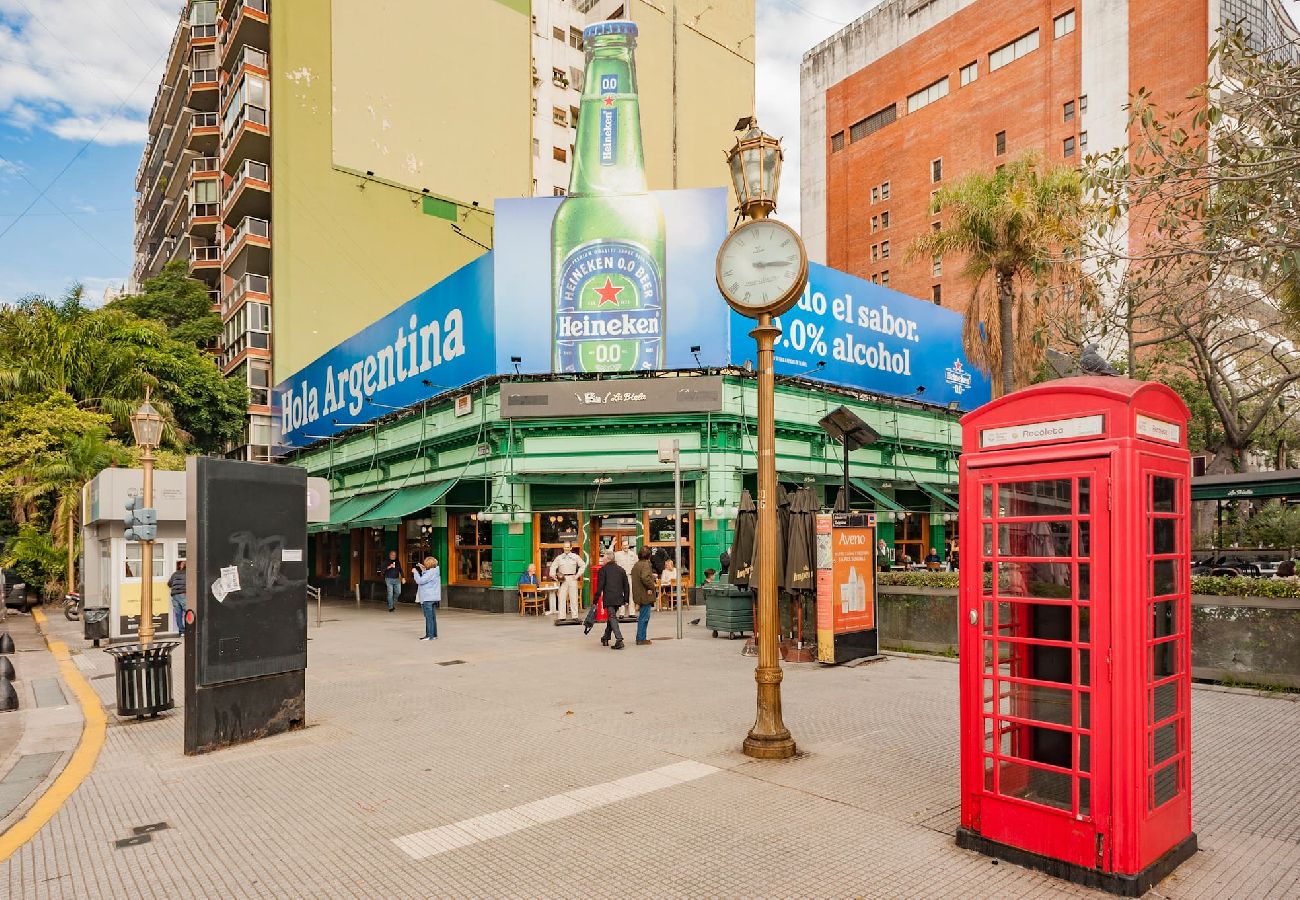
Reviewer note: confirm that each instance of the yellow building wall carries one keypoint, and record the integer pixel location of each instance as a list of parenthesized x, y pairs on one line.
[(347, 249)]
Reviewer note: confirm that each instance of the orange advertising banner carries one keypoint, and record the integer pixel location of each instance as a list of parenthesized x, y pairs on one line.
[(853, 593)]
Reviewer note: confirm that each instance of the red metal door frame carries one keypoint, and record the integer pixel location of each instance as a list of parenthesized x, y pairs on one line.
[(1018, 716)]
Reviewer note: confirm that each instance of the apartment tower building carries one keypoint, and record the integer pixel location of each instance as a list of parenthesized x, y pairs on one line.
[(917, 93), (204, 183)]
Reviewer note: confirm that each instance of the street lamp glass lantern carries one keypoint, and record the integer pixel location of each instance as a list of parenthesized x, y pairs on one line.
[(147, 425), (755, 163)]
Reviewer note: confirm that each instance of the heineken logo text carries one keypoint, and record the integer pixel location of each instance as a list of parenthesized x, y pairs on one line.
[(638, 324), (608, 135)]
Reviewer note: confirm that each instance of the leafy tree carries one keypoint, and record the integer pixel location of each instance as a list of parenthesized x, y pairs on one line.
[(179, 302), (32, 554), (1213, 189), (1018, 230), (62, 475)]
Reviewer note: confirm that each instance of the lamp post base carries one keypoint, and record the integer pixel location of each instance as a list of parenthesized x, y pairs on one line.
[(765, 746)]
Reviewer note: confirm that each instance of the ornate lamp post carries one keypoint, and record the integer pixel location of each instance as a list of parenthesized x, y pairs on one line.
[(762, 269), (147, 427)]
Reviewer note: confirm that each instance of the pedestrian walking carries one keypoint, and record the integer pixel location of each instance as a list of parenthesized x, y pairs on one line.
[(626, 558), (428, 593), (393, 579), (643, 593), (176, 584), (567, 568), (613, 590)]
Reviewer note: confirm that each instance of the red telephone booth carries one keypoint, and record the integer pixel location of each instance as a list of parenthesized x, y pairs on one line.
[(1075, 632)]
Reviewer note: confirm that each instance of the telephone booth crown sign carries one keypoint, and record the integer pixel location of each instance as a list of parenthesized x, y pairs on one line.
[(1075, 631)]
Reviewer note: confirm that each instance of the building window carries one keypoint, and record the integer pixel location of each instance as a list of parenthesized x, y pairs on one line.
[(1083, 103), (934, 202), (259, 383), (936, 294), (884, 190), (1007, 53), (660, 537), (553, 529), (1063, 24), (573, 116), (875, 224), (837, 142), (935, 226), (575, 78), (884, 249), (558, 34), (559, 116), (1067, 111), (875, 252), (884, 220), (927, 95), (1000, 142), (936, 171), (1083, 140), (537, 147), (472, 550), (559, 154), (969, 73), (875, 279), (575, 38), (884, 278), (936, 267), (558, 191), (875, 195), (558, 78), (873, 123), (1067, 146)]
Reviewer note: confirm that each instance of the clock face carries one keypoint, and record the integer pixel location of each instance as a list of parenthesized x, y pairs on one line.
[(762, 267)]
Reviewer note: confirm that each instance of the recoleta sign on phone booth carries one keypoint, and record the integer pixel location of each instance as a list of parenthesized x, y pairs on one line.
[(601, 311)]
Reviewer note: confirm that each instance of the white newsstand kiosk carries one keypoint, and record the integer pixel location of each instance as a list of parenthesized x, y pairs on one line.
[(111, 565)]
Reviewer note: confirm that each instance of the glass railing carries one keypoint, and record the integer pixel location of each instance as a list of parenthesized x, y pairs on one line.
[(205, 254), (203, 78), (246, 113), (203, 31), (203, 120), (248, 283), (249, 225), (250, 169), (204, 164), (204, 210), (251, 56)]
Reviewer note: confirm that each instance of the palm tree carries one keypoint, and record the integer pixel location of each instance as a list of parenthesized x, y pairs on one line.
[(84, 456), (1016, 228)]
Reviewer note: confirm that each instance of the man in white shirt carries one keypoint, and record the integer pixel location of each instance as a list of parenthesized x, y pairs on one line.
[(567, 568)]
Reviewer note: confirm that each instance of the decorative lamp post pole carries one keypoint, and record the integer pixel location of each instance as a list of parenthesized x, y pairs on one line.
[(147, 427), (762, 269)]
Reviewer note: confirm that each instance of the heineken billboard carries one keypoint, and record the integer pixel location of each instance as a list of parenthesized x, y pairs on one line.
[(614, 278)]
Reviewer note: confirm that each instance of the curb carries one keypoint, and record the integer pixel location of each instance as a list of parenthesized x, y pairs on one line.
[(82, 760)]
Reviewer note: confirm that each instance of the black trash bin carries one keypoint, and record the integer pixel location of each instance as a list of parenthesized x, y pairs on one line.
[(144, 678), (94, 621)]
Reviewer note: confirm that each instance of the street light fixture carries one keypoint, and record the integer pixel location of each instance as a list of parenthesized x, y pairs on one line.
[(761, 271), (147, 428)]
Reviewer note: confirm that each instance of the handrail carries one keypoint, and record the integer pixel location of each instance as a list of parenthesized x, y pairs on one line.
[(313, 593)]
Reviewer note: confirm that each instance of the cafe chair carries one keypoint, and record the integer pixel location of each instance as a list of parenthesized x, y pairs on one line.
[(529, 598)]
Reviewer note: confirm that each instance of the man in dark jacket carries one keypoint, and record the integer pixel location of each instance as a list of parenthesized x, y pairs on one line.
[(644, 589), (614, 590), (176, 584)]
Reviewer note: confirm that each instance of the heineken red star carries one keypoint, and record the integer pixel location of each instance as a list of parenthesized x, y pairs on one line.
[(607, 240)]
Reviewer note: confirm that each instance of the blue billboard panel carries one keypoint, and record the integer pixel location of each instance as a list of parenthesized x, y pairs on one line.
[(850, 332), (610, 284), (437, 341)]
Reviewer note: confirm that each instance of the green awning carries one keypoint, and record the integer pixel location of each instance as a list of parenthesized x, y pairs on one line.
[(600, 479), (404, 502), (874, 493), (937, 494), (1245, 485), (343, 512)]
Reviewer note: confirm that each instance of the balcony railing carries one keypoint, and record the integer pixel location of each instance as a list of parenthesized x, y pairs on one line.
[(249, 225), (215, 296), (247, 113), (204, 210), (204, 164), (205, 254), (250, 283), (251, 56), (249, 169), (203, 78), (203, 31), (203, 120)]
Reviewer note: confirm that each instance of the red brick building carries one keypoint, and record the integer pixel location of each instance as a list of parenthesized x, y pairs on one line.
[(917, 93)]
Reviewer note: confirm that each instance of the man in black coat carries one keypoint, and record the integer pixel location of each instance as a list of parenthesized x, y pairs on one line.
[(614, 590)]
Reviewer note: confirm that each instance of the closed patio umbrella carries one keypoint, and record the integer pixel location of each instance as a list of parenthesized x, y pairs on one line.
[(742, 543), (800, 544)]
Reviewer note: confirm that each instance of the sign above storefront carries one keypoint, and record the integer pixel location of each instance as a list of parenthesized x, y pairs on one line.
[(621, 397), (1041, 432)]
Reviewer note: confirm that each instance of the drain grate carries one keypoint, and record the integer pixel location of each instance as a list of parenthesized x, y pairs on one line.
[(134, 841), (150, 829), (452, 662)]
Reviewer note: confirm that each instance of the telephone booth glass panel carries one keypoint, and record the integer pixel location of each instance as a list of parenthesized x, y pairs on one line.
[(1037, 630)]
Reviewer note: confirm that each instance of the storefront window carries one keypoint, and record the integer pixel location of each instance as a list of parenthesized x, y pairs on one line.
[(660, 525), (553, 529), (328, 547), (419, 537), (473, 550), (912, 537), (134, 560)]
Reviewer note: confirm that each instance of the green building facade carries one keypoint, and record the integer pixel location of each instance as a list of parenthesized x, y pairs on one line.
[(487, 492)]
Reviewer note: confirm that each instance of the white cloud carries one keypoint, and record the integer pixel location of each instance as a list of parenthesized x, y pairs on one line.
[(786, 30), (70, 66), (9, 169)]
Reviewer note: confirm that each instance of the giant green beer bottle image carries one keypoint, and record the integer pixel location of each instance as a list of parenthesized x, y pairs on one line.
[(607, 240)]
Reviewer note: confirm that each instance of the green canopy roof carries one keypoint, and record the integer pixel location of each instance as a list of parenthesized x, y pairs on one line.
[(1243, 485), (577, 479), (937, 494), (884, 500), (403, 502), (345, 511)]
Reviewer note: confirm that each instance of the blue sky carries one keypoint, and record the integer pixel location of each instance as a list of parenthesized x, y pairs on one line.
[(77, 78)]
